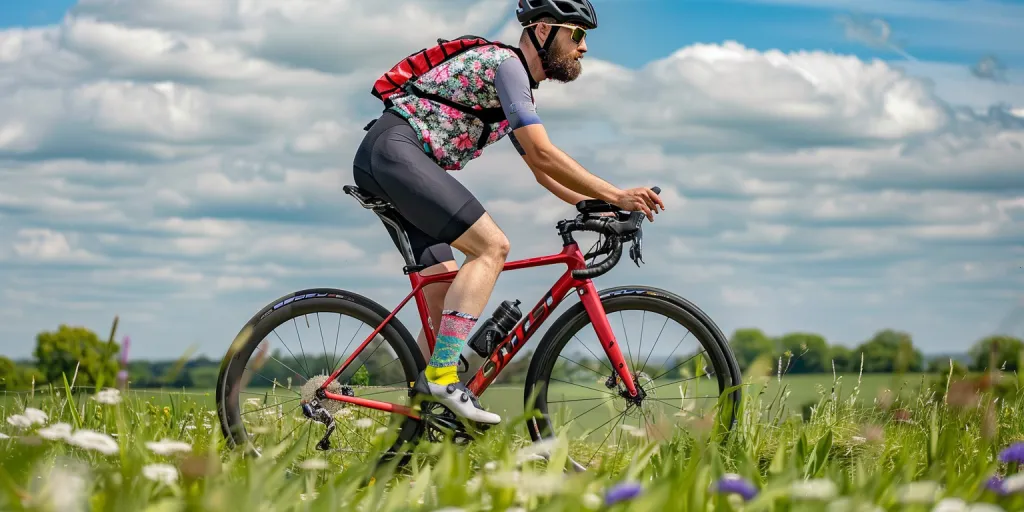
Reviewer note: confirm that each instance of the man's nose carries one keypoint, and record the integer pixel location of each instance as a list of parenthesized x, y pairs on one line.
[(582, 48)]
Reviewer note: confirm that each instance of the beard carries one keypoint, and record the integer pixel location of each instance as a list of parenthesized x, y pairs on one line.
[(563, 63)]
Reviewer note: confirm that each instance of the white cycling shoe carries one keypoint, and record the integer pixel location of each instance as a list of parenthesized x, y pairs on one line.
[(456, 397)]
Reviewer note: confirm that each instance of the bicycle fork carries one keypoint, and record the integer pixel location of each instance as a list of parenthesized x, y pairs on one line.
[(599, 319)]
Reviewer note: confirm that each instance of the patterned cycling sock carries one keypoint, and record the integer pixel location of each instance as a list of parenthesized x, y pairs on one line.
[(451, 338)]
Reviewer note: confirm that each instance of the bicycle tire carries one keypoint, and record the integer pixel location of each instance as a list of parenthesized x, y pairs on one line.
[(294, 305), (617, 299)]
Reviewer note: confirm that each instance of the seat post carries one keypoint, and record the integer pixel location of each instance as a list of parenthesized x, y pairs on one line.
[(404, 245), (387, 213)]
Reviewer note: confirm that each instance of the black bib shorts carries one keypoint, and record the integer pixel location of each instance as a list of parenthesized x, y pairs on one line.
[(436, 209)]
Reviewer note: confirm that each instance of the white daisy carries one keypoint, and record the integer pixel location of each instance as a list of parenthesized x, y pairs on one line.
[(96, 441), (1014, 484), (923, 492), (35, 415), (815, 489), (314, 464), (951, 505), (56, 431), (108, 396), (168, 446), (163, 473)]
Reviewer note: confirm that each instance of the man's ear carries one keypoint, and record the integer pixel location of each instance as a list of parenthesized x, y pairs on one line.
[(543, 29)]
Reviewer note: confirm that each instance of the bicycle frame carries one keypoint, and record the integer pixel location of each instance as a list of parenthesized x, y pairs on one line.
[(517, 337)]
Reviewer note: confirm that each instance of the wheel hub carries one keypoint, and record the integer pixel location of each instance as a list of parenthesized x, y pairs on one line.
[(643, 384)]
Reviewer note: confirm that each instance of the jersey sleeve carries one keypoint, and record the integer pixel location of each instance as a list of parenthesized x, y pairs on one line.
[(515, 94)]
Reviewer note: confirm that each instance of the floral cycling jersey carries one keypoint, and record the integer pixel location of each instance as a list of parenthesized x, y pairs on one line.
[(491, 80)]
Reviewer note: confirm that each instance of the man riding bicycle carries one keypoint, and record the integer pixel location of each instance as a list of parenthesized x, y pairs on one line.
[(444, 119)]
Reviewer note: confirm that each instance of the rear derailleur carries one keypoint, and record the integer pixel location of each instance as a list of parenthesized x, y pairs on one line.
[(316, 412)]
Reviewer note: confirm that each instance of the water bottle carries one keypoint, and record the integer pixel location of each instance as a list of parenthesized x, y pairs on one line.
[(495, 328)]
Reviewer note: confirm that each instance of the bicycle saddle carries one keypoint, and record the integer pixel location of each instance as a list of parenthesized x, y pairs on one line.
[(366, 199)]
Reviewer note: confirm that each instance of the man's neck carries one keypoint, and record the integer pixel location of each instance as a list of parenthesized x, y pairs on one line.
[(533, 62)]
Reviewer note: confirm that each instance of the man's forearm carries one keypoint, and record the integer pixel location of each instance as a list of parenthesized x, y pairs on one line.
[(558, 189), (567, 172)]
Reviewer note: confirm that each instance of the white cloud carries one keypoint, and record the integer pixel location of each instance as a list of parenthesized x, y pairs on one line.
[(702, 98), (47, 245), (161, 156)]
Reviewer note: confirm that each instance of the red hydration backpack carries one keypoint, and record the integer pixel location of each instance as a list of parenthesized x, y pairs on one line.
[(415, 65), (399, 79)]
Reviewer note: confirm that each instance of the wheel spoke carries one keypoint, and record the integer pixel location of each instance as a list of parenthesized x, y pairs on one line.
[(678, 365), (301, 348), (584, 387), (632, 363), (644, 366), (320, 327), (305, 377)]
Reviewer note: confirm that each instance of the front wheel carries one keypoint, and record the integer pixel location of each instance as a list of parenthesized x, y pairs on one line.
[(677, 356)]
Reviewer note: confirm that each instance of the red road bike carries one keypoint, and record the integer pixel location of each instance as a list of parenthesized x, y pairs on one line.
[(559, 381)]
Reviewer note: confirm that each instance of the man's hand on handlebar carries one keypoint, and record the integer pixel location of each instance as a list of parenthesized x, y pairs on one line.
[(640, 199)]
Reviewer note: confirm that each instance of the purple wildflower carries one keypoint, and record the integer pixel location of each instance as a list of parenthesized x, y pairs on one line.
[(995, 484), (622, 492), (1014, 453), (122, 375), (735, 484)]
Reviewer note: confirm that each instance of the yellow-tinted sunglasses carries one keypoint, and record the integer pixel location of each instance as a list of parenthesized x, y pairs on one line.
[(577, 35)]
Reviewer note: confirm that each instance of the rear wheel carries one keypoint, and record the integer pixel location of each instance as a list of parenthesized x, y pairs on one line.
[(288, 349), (678, 357)]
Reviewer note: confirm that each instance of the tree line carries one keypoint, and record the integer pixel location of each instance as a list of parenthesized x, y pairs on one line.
[(82, 356), (887, 351)]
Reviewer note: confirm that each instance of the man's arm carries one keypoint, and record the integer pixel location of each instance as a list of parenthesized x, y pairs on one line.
[(558, 189), (547, 161), (548, 182), (552, 168)]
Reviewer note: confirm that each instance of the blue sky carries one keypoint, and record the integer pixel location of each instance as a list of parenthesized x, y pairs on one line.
[(179, 163), (37, 12)]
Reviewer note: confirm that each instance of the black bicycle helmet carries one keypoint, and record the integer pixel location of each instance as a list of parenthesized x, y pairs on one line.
[(580, 12)]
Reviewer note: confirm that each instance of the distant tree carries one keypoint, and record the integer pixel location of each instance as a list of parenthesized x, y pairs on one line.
[(60, 352), (940, 365), (749, 344), (843, 358), (16, 377), (890, 351), (1004, 351), (810, 352)]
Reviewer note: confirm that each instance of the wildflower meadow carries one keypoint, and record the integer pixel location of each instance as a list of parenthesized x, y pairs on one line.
[(953, 445)]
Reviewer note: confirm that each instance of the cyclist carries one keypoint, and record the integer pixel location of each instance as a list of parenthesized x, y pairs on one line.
[(405, 156)]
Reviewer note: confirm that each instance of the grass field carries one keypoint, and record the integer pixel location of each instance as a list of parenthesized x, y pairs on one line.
[(162, 450)]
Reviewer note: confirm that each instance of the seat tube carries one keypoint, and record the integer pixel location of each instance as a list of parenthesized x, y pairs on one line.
[(421, 306), (599, 319)]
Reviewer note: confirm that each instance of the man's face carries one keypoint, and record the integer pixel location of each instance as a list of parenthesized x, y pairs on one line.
[(564, 62)]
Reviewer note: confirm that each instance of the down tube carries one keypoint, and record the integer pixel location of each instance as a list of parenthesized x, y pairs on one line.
[(599, 320), (516, 339)]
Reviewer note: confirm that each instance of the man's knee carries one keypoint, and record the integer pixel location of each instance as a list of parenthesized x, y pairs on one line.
[(484, 239), (500, 246)]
